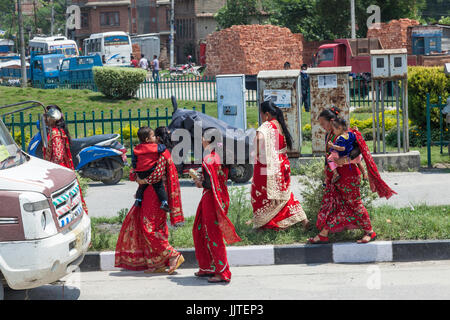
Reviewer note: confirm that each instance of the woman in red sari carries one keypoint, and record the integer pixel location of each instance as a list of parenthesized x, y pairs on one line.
[(211, 224), (342, 208), (274, 204), (58, 148), (143, 243)]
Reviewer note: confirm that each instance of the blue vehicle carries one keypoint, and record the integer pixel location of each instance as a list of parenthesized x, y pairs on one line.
[(43, 71), (78, 69), (100, 157)]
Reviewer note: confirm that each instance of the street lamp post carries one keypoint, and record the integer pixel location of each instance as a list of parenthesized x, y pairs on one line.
[(352, 10), (172, 32), (23, 65)]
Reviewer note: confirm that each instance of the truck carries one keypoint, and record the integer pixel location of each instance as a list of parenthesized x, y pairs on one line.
[(350, 52), (78, 69), (43, 70), (44, 230)]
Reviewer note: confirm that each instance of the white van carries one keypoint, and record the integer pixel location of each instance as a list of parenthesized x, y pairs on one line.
[(114, 47), (56, 44), (44, 231)]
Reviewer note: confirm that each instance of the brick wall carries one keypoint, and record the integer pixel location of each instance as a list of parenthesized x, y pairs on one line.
[(393, 35), (250, 49)]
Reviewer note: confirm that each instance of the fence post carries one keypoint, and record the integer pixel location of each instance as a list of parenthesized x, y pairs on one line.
[(428, 132), (22, 130)]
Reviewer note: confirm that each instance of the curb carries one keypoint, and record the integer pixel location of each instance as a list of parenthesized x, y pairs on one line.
[(378, 251)]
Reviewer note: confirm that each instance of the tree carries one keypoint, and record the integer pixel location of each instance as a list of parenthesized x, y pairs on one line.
[(237, 12)]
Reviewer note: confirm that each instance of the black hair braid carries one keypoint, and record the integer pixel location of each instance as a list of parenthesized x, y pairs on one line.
[(270, 107), (165, 138)]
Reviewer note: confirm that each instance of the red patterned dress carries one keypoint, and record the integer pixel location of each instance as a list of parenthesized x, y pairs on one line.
[(143, 240), (342, 208), (274, 205), (58, 151), (211, 224)]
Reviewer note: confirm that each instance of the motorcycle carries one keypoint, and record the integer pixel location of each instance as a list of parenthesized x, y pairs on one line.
[(185, 69), (185, 119), (100, 157)]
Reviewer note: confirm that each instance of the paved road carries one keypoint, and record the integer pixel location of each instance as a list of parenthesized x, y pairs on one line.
[(412, 188), (418, 280)]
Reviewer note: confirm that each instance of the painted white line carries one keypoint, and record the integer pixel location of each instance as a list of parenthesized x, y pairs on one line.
[(107, 261), (378, 251), (251, 256)]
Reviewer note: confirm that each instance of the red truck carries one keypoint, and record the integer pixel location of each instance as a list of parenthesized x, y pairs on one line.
[(350, 52)]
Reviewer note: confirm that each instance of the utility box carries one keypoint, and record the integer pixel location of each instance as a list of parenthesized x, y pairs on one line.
[(389, 64), (231, 106), (329, 87), (283, 87)]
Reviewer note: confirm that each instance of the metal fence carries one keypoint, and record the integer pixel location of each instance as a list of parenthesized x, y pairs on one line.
[(203, 89), (82, 124)]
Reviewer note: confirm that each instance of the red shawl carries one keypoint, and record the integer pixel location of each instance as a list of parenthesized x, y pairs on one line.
[(219, 177), (376, 182)]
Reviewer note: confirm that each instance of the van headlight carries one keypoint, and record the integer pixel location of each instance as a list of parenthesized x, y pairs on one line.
[(36, 206)]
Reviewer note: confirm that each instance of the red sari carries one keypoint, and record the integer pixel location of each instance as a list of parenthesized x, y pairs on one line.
[(274, 205), (58, 151), (143, 240), (342, 208), (211, 225)]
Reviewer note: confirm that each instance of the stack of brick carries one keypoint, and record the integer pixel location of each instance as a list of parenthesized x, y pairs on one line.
[(248, 49), (136, 51), (393, 35)]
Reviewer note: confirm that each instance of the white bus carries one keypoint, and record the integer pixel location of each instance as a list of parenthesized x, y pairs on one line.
[(58, 44), (114, 47)]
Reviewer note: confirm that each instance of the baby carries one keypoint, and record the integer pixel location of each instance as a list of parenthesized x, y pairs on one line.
[(144, 158), (342, 148)]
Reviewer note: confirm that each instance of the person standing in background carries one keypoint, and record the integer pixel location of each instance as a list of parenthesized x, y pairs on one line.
[(155, 65), (305, 86), (143, 63), (133, 62)]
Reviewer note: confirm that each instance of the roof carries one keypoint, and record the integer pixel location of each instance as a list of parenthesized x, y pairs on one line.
[(389, 51), (108, 3), (329, 70), (278, 74)]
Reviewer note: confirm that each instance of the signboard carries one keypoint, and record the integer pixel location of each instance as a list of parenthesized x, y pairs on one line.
[(328, 81), (281, 98)]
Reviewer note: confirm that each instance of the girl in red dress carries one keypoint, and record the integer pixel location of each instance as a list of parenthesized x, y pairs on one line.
[(274, 204), (58, 148), (342, 208), (211, 224)]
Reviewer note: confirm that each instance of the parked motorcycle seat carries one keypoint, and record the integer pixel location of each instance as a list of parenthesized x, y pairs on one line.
[(80, 144)]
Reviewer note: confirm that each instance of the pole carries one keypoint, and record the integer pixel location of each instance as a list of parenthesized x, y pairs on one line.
[(52, 22), (172, 32), (23, 65), (352, 10)]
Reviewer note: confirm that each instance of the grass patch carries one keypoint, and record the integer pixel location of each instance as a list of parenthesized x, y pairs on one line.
[(419, 223)]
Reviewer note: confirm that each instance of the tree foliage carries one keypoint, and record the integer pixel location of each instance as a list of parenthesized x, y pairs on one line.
[(237, 12)]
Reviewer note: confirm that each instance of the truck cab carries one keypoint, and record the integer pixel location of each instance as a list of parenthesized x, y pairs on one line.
[(77, 69), (44, 231), (45, 70)]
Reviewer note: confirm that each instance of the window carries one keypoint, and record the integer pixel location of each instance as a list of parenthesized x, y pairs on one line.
[(86, 61), (397, 62), (84, 20), (326, 55), (380, 63), (109, 19), (65, 65)]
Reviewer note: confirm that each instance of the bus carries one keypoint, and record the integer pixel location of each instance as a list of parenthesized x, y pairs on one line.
[(6, 46), (58, 44), (114, 47)]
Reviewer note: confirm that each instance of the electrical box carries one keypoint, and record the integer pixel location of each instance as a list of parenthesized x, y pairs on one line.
[(283, 87), (329, 87), (231, 107), (389, 64)]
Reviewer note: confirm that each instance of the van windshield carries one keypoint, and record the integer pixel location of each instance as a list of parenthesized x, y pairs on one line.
[(10, 154), (51, 63)]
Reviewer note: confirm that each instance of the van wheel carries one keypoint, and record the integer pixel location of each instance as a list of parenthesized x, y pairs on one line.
[(118, 174), (2, 291)]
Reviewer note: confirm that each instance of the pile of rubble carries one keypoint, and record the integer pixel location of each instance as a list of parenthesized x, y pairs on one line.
[(393, 35)]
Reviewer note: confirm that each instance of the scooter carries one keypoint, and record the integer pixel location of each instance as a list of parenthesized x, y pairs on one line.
[(100, 157)]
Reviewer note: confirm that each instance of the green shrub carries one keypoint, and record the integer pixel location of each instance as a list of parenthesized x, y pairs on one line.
[(367, 134), (423, 80), (307, 135), (126, 132), (18, 138), (118, 83), (313, 179), (417, 137)]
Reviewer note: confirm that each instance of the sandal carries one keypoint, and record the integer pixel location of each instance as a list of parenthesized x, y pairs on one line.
[(180, 260), (203, 275), (215, 279), (322, 240), (156, 270), (372, 235)]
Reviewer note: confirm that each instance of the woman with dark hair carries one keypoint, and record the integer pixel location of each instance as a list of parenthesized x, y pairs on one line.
[(163, 137), (143, 243), (342, 208), (211, 225), (59, 141), (274, 204)]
